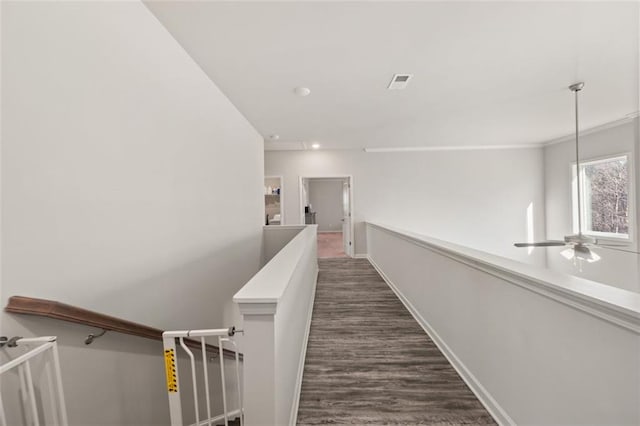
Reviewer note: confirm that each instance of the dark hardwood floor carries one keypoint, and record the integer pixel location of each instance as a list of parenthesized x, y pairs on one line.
[(369, 362)]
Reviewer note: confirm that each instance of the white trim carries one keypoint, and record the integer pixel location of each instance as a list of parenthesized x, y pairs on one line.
[(539, 144), (280, 227), (361, 256), (285, 146), (452, 148), (258, 307), (627, 240), (612, 304), (293, 417), (604, 126), (483, 395)]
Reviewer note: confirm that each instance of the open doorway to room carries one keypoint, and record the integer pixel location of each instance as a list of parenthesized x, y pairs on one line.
[(327, 202), (273, 200)]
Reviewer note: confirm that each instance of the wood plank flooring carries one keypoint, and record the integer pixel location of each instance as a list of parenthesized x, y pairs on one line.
[(369, 362)]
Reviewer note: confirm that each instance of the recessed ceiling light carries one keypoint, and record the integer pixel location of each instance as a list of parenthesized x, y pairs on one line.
[(274, 137), (302, 91), (315, 145)]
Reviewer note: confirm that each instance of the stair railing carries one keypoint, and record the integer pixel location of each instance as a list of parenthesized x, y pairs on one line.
[(47, 349), (74, 314), (224, 335)]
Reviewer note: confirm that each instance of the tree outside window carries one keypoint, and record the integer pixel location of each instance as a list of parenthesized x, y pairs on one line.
[(605, 197)]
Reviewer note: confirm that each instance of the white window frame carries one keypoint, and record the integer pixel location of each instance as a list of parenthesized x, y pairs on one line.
[(604, 236)]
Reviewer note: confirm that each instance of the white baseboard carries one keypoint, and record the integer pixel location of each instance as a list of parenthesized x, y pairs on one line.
[(293, 416), (492, 406), (360, 256)]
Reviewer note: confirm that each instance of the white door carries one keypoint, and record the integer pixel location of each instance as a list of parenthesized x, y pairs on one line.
[(346, 218)]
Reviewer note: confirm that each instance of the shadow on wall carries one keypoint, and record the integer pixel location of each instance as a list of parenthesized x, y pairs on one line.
[(197, 294), (360, 239)]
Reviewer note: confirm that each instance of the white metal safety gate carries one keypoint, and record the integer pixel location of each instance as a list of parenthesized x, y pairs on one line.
[(46, 350), (223, 335)]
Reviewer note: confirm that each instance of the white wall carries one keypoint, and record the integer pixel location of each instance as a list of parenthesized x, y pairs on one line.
[(615, 268), (276, 237), (272, 182), (114, 142), (475, 198), (538, 347), (325, 197)]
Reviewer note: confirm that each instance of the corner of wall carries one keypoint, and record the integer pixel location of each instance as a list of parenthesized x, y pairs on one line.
[(637, 176)]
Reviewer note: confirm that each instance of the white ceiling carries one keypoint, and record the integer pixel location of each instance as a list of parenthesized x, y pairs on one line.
[(485, 73)]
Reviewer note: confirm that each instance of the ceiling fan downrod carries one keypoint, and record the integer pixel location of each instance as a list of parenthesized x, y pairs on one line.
[(575, 88), (579, 243)]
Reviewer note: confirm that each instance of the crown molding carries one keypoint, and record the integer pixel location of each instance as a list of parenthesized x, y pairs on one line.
[(541, 144), (604, 126), (302, 146), (452, 148)]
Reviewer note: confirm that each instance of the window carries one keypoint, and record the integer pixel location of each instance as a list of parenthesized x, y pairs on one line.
[(604, 193)]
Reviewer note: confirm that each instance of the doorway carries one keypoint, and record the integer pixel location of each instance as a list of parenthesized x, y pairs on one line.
[(327, 202), (273, 200)]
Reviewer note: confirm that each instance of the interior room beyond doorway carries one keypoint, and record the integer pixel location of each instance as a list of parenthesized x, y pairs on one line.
[(330, 245), (326, 202)]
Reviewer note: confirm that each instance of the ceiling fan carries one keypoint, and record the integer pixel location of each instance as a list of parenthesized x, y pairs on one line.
[(577, 244)]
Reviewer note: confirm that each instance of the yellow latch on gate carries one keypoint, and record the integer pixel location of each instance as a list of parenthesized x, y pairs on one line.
[(170, 368)]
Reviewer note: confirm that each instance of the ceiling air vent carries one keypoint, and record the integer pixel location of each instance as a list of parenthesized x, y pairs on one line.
[(399, 81)]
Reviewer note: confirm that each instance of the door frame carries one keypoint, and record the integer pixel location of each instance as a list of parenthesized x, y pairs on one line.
[(281, 195), (301, 206)]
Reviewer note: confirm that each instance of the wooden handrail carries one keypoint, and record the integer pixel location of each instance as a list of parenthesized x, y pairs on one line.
[(61, 311)]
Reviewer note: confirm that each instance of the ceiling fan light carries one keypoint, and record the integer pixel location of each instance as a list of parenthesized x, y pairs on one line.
[(584, 253), (594, 257), (580, 252), (568, 253)]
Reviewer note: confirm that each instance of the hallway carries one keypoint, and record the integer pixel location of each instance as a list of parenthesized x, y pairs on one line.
[(369, 362)]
